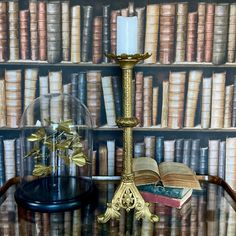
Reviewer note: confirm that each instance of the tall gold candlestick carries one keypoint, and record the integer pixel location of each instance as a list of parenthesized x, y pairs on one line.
[(127, 195)]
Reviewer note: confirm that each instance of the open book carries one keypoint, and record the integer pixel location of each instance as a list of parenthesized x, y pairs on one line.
[(170, 174)]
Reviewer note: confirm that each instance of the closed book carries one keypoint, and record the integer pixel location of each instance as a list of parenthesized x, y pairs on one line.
[(203, 161), (139, 150), (167, 201), (213, 157), (86, 34), (179, 143), (74, 93), (119, 161), (195, 155), (187, 151), (111, 157), (147, 101), (206, 102), (44, 106), (234, 105), (149, 145), (218, 100), (117, 90), (3, 32), (159, 155), (97, 40), (3, 114), (169, 150), (2, 164), (222, 159), (151, 32), (106, 32), (139, 96), (66, 102), (229, 92), (109, 102), (103, 162), (165, 101), (194, 81), (155, 94), (140, 13), (113, 29)]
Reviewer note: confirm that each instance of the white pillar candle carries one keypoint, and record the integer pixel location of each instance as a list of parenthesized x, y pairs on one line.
[(127, 35)]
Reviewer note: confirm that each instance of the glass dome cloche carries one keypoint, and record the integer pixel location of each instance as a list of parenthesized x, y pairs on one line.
[(56, 154)]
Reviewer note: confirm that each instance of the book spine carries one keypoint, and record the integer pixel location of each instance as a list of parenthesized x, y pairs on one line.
[(65, 18), (34, 46), (86, 33), (169, 150), (2, 163), (149, 144), (231, 34), (167, 33), (3, 121), (151, 33), (139, 150), (56, 223), (181, 30), (229, 91), (66, 102), (176, 99), (159, 155), (140, 13), (97, 40), (213, 157), (117, 88), (103, 162), (179, 150), (106, 32), (231, 229), (222, 156), (203, 161), (24, 34), (206, 102), (234, 105), (53, 32), (194, 82), (108, 96), (147, 227), (218, 100), (113, 29), (139, 97), (111, 157), (147, 101), (3, 32), (44, 106), (18, 156), (195, 155), (75, 52), (194, 216), (165, 104), (220, 33), (155, 93), (42, 31), (119, 161), (187, 151)]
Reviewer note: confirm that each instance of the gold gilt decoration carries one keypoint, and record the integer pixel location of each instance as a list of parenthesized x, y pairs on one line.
[(127, 195), (60, 140)]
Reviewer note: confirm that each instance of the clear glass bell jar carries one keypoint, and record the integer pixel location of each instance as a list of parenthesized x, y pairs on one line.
[(56, 154)]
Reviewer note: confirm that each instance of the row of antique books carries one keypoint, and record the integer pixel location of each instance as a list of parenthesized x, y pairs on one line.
[(204, 214), (57, 31)]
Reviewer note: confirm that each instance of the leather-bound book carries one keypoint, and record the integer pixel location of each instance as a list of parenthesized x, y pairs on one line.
[(9, 161), (2, 165), (13, 97), (111, 157), (74, 84), (147, 226), (42, 31), (194, 81), (66, 102), (117, 90), (206, 103), (220, 33), (169, 150), (75, 52), (221, 164), (201, 32), (113, 29), (176, 99), (181, 30), (140, 13), (229, 92), (167, 33), (124, 12), (53, 32), (203, 161), (44, 106), (147, 101), (179, 144), (30, 78), (119, 161), (218, 100), (213, 157), (223, 216), (187, 151), (3, 114), (3, 32), (76, 222), (234, 105), (149, 143), (56, 223), (139, 96), (102, 150), (194, 215), (191, 37), (164, 109), (65, 20), (232, 33), (34, 38), (87, 34), (230, 170), (209, 29), (231, 228), (109, 102), (106, 32), (195, 155), (13, 10), (139, 150), (151, 33), (94, 96), (97, 40), (155, 93)]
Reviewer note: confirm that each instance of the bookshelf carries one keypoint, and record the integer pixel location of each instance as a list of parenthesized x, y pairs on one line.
[(158, 71)]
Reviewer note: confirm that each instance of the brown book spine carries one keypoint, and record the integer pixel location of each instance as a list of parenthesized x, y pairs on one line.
[(3, 121), (209, 29), (201, 31), (103, 159), (151, 33), (139, 97), (167, 33), (34, 39), (44, 106), (155, 93), (113, 28), (97, 40), (191, 37), (140, 13), (119, 161), (165, 102), (147, 101), (229, 92), (232, 33), (3, 32)]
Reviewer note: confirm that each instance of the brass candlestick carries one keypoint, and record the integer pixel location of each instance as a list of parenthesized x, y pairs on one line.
[(127, 195)]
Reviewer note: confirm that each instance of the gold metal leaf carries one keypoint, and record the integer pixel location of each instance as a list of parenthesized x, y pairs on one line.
[(79, 158), (65, 126), (33, 152), (38, 136), (41, 170)]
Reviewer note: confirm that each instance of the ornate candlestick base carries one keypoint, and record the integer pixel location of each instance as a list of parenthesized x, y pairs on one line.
[(127, 195)]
